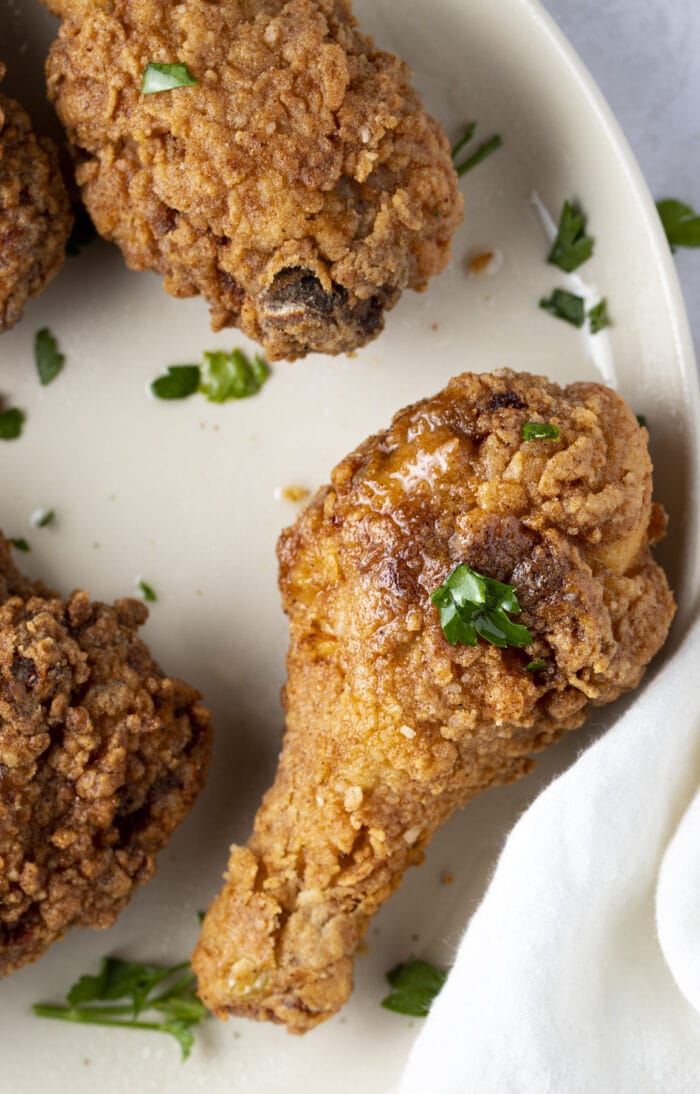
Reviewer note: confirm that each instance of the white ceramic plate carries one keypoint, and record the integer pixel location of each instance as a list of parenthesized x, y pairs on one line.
[(186, 496)]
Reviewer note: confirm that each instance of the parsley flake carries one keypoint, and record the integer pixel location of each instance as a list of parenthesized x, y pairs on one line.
[(232, 375), (641, 418), (565, 305), (158, 77), (481, 153), (147, 592), (464, 139), (535, 666), (179, 382), (43, 517), (49, 361), (175, 1005), (681, 223), (20, 544), (539, 431), (598, 317), (11, 422), (471, 605), (572, 247), (414, 984)]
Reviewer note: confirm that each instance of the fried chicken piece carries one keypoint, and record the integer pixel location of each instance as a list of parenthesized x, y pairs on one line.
[(101, 757), (389, 727), (35, 215), (299, 187)]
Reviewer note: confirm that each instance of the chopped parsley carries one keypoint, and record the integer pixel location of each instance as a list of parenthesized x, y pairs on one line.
[(49, 361), (641, 418), (565, 305), (414, 984), (232, 376), (598, 317), (179, 382), (471, 605), (681, 223), (223, 376), (147, 592), (43, 517), (158, 77), (539, 431), (573, 246), (82, 233), (174, 1006), (535, 666), (20, 544), (11, 422)]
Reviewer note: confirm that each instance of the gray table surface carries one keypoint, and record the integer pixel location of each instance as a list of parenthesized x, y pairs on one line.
[(645, 56)]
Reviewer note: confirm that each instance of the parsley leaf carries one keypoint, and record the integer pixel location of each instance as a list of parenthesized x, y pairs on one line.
[(641, 418), (572, 247), (147, 592), (165, 77), (11, 422), (414, 984), (179, 382), (681, 223), (177, 1007), (49, 361), (535, 666), (471, 605), (598, 316), (539, 431), (232, 376), (565, 305), (20, 544)]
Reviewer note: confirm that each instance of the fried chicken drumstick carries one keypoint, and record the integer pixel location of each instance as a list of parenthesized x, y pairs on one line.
[(35, 215), (389, 727), (101, 757), (299, 187)]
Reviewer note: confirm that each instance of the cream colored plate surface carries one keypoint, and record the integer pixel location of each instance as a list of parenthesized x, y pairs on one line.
[(186, 496)]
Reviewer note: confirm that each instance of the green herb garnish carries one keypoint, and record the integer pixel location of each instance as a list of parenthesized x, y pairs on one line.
[(165, 77), (177, 1006), (11, 422), (535, 666), (681, 223), (179, 382), (464, 139), (147, 592), (471, 604), (43, 518), (641, 418), (565, 305), (572, 247), (414, 984), (20, 544), (539, 431), (598, 317), (232, 376), (82, 233), (49, 361), (481, 153)]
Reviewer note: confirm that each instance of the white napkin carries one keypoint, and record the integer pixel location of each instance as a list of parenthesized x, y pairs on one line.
[(580, 971)]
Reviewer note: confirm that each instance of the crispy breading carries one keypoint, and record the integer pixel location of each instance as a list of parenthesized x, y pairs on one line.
[(299, 187), (101, 757), (35, 215), (389, 727)]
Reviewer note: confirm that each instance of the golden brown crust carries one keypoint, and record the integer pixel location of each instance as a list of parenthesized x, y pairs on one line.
[(389, 728), (35, 216), (101, 757), (300, 187)]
